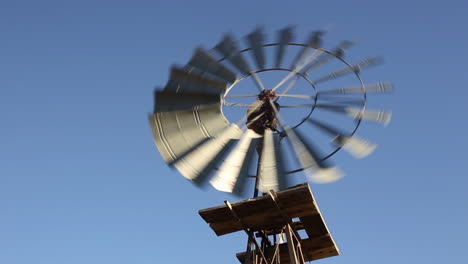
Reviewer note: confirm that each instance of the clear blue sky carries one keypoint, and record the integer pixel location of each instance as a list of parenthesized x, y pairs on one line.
[(82, 182)]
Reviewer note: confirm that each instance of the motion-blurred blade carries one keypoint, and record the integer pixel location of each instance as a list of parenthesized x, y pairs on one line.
[(354, 68), (233, 172), (228, 48), (272, 174), (342, 47), (336, 100), (204, 62), (196, 165), (378, 116), (171, 101), (315, 41), (176, 133), (285, 36), (181, 81), (316, 169), (355, 145), (255, 41), (380, 87), (325, 57)]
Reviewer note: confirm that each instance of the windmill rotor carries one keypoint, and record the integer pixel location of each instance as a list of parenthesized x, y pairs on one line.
[(287, 97)]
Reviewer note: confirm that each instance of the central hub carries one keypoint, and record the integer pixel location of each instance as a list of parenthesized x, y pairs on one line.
[(262, 114)]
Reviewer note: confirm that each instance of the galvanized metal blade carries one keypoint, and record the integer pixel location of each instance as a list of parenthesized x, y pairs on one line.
[(285, 36), (355, 145), (308, 156), (204, 62), (228, 48), (171, 101), (353, 69), (378, 116), (232, 174), (314, 41), (176, 133), (181, 81), (197, 164), (325, 57), (380, 87), (342, 101), (255, 41), (272, 174)]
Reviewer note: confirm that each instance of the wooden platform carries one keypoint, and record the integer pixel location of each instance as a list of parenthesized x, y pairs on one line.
[(295, 206)]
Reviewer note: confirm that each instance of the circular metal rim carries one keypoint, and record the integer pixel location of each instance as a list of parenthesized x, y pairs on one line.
[(356, 73)]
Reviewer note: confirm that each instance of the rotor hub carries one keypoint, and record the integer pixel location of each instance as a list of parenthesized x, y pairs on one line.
[(262, 114)]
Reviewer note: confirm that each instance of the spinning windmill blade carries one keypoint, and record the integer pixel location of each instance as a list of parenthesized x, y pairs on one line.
[(380, 87), (272, 174), (285, 36), (378, 116), (232, 174), (193, 135), (315, 41), (358, 147), (255, 40), (338, 52)]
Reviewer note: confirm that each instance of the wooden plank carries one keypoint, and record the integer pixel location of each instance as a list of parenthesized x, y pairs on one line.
[(249, 206), (261, 220), (314, 225), (291, 246), (261, 213)]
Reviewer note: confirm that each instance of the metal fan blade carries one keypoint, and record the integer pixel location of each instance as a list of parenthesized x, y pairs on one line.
[(341, 100), (315, 168), (197, 164), (228, 48), (378, 116), (233, 172), (255, 41), (203, 61), (315, 41), (355, 145), (380, 87), (302, 96), (354, 68), (181, 81), (171, 101), (285, 36), (177, 133), (342, 47), (325, 58), (272, 174), (307, 155)]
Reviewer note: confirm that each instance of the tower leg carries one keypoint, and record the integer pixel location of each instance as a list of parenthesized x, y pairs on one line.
[(291, 247)]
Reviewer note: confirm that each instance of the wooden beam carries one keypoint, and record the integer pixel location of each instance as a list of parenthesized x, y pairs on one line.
[(291, 246), (248, 232)]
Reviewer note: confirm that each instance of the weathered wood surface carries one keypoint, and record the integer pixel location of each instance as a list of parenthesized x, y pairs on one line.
[(261, 213)]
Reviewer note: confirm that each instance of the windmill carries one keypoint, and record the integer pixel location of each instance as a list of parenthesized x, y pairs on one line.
[(280, 127)]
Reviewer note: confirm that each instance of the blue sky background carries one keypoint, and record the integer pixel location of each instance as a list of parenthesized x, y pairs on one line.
[(82, 182)]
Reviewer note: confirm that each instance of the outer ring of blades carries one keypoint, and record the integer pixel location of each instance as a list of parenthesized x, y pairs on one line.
[(356, 73)]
